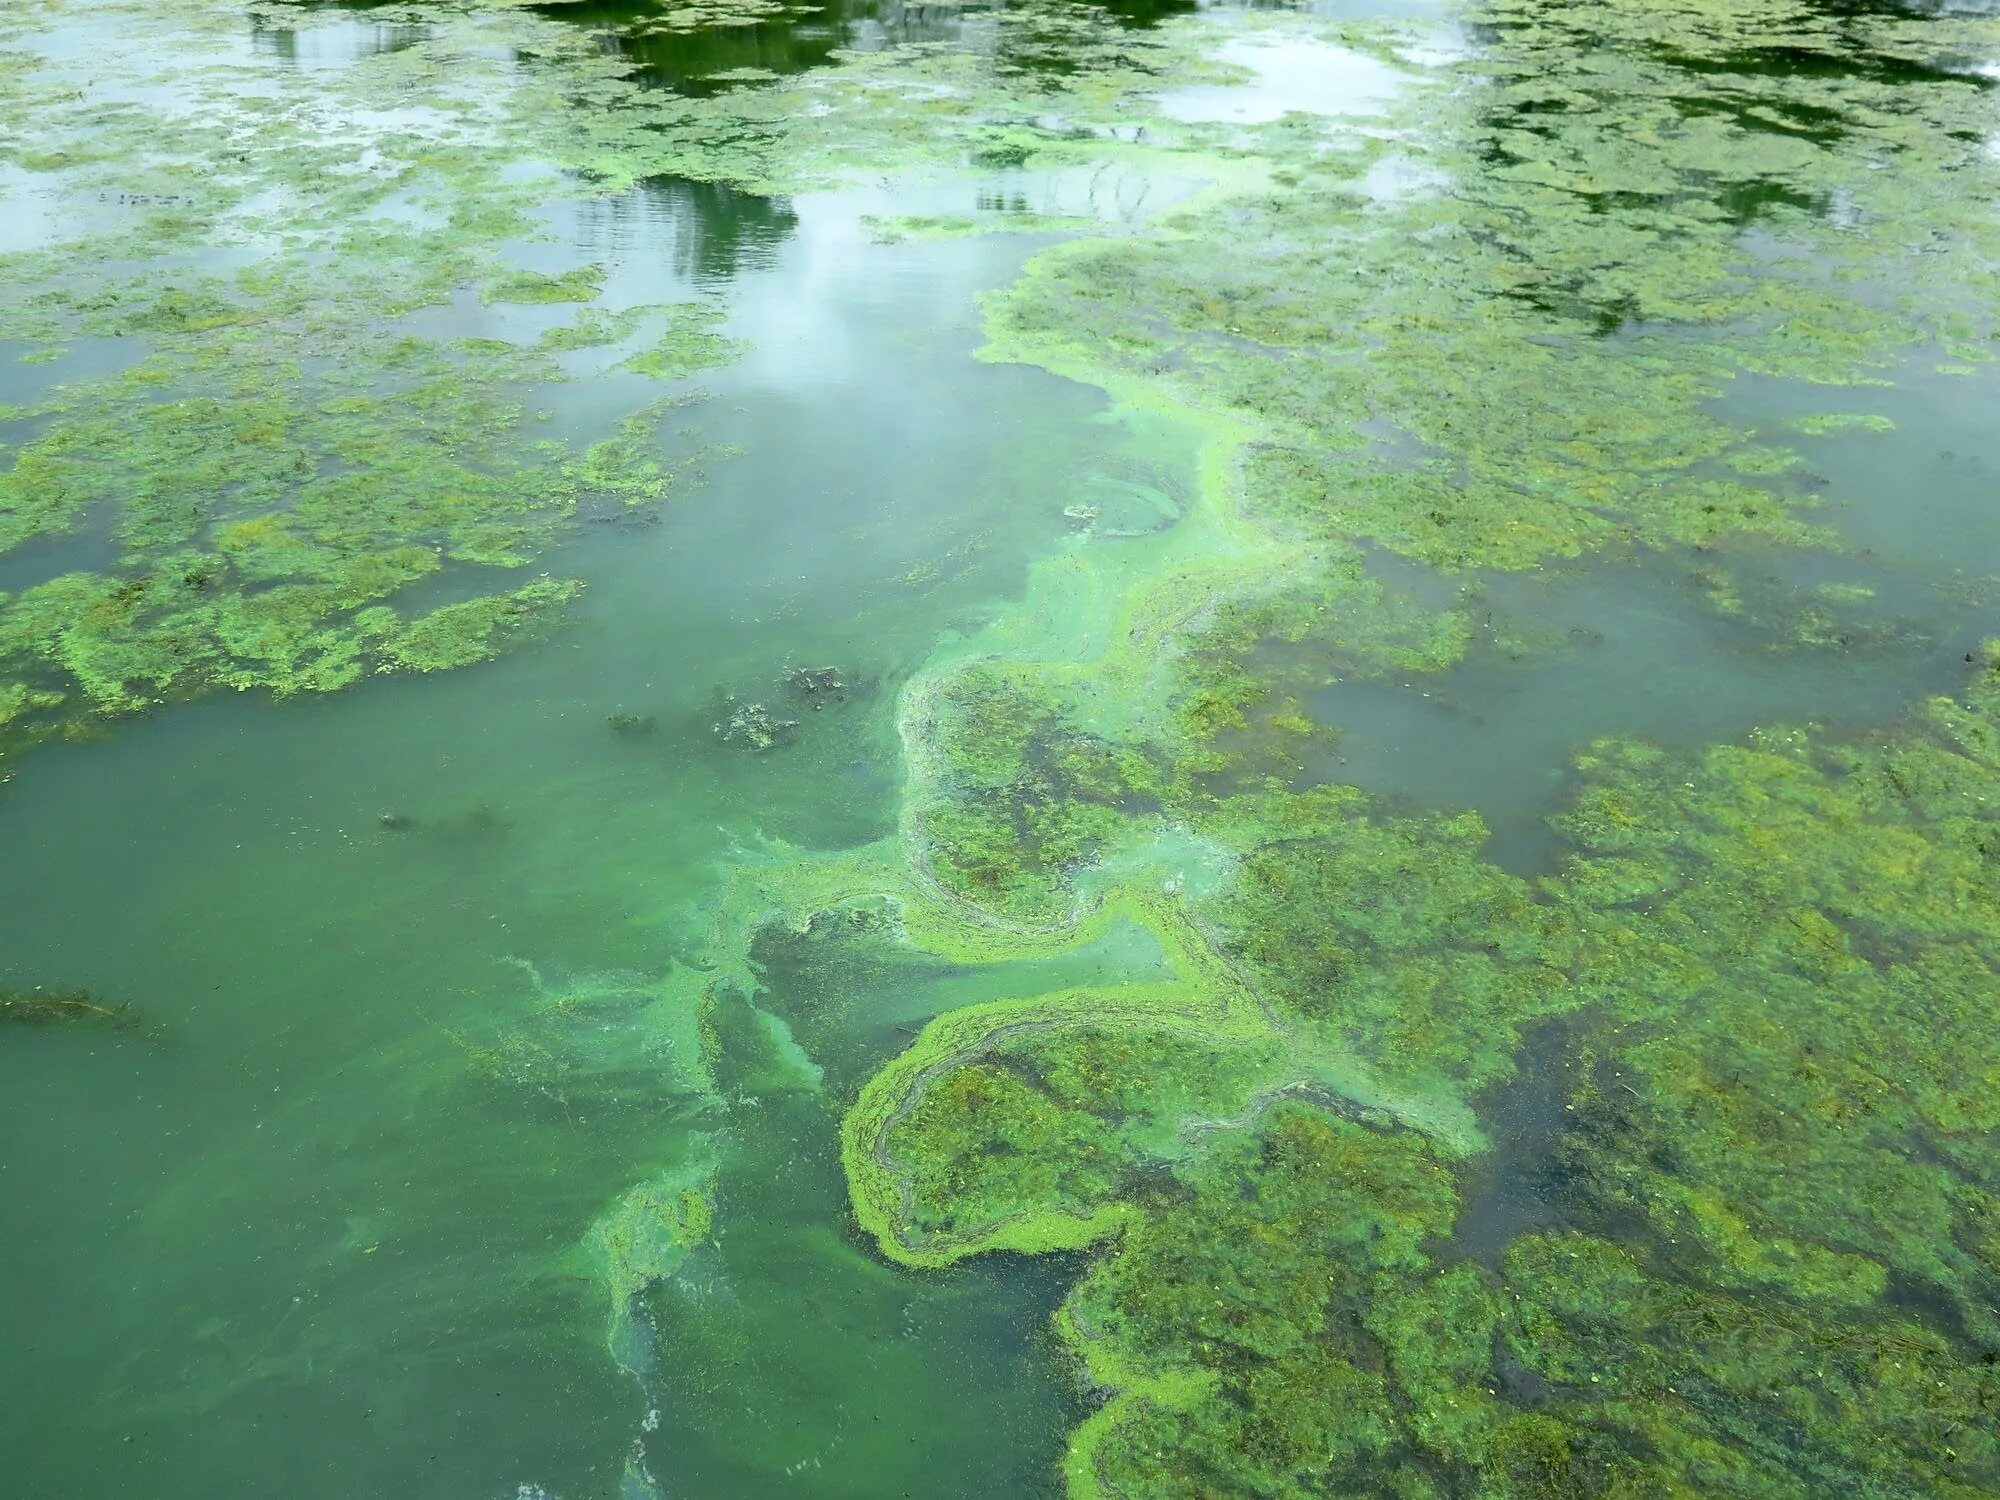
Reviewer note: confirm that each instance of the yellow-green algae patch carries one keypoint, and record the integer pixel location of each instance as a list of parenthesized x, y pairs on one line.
[(281, 464), (642, 1242), (262, 537)]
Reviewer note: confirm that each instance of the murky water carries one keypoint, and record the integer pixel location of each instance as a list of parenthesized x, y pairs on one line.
[(336, 911), (417, 961)]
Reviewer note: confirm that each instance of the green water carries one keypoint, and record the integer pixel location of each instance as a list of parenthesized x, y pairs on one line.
[(336, 1234), (434, 973)]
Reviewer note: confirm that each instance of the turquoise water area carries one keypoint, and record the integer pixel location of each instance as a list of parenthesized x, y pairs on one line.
[(391, 1074), (319, 1227)]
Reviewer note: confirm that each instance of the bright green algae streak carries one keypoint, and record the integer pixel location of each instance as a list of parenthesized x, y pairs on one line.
[(1734, 1053)]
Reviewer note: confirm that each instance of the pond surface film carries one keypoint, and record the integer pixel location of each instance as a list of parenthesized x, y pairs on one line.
[(1140, 749)]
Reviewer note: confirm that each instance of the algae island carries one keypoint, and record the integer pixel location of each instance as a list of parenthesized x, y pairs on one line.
[(1053, 749)]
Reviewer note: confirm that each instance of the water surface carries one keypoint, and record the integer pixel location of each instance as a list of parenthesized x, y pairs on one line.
[(417, 961)]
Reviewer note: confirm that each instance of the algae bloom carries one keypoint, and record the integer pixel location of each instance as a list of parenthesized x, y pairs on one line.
[(1083, 748)]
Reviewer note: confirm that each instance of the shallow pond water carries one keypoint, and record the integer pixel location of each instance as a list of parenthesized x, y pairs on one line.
[(351, 919), (506, 963)]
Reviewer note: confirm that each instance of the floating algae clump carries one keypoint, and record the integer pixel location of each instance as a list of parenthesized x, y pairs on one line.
[(1767, 1257), (1242, 677), (1396, 937), (1282, 1325), (1061, 1119), (1516, 363), (1673, 1171), (266, 457), (688, 344), (1024, 798), (581, 285), (459, 634), (258, 539)]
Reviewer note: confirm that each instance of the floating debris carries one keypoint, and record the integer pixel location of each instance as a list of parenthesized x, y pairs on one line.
[(821, 685), (51, 1007), (395, 822), (817, 680), (631, 723), (753, 726)]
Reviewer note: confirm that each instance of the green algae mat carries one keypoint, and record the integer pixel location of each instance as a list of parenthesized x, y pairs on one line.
[(1098, 750)]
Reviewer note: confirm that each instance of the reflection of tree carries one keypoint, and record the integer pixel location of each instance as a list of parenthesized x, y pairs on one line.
[(1057, 39), (281, 43), (715, 230), (1038, 34), (685, 61)]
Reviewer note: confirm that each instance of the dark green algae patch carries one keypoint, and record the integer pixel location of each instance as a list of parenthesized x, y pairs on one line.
[(1770, 1262)]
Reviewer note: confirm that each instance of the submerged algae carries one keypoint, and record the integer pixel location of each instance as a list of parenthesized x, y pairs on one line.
[(644, 1240), (39, 1007)]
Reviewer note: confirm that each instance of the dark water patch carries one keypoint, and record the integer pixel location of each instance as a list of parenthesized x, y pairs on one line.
[(1635, 649), (1516, 1186), (1845, 59), (76, 360), (1911, 469), (855, 994), (755, 1391), (84, 548)]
